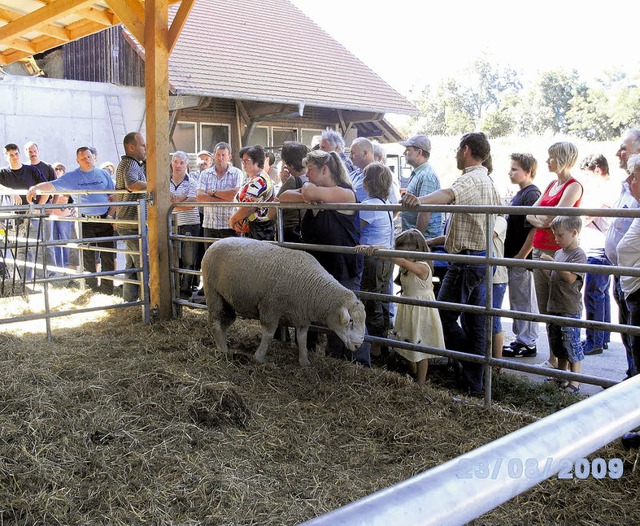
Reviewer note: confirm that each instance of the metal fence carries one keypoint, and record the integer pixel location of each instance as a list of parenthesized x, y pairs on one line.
[(25, 266), (490, 261)]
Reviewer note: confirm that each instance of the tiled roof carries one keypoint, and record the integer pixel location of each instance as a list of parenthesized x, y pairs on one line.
[(268, 50)]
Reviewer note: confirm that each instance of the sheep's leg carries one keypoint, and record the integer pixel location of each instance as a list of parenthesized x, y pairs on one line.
[(268, 330), (303, 353), (221, 316)]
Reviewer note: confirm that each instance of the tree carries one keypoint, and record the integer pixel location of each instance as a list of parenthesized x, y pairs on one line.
[(557, 88)]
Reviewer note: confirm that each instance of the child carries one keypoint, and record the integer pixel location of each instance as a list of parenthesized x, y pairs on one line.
[(565, 297), (518, 245), (414, 324)]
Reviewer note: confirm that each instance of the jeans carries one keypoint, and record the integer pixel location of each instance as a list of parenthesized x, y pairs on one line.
[(375, 278), (61, 232), (189, 253), (107, 259), (498, 297), (564, 342), (633, 302), (597, 301), (623, 318), (465, 284), (131, 291)]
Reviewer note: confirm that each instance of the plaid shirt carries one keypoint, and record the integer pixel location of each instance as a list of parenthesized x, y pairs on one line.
[(468, 231), (217, 217)]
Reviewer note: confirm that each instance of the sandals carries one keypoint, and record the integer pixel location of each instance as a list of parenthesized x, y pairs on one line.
[(572, 389)]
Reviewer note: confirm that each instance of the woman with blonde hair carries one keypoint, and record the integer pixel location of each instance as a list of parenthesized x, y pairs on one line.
[(328, 182), (567, 192)]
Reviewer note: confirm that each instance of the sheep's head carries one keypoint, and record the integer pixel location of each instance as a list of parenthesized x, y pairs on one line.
[(348, 323)]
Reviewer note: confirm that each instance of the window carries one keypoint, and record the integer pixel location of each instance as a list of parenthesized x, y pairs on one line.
[(309, 135), (280, 135), (184, 137), (259, 136), (212, 134)]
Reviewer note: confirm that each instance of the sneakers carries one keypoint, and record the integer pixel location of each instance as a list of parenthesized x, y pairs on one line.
[(519, 350), (589, 349)]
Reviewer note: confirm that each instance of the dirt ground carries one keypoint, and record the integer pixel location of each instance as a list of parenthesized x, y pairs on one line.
[(114, 422)]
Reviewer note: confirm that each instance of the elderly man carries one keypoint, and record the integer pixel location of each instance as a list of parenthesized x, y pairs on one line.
[(332, 141), (423, 181), (131, 175), (630, 145), (219, 184), (86, 178), (464, 283)]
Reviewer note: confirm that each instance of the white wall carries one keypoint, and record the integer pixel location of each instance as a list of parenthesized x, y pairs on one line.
[(62, 115)]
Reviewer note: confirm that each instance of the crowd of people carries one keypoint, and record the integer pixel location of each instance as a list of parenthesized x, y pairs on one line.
[(327, 175)]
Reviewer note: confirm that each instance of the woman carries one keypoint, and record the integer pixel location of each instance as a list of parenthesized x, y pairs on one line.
[(293, 175), (61, 229), (254, 222), (329, 183), (564, 192)]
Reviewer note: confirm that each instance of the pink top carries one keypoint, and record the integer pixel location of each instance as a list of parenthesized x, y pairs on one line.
[(544, 238)]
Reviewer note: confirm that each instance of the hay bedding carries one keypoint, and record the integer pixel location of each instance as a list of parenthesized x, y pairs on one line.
[(118, 423)]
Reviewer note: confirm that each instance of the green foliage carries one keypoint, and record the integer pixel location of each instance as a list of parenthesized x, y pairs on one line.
[(492, 99)]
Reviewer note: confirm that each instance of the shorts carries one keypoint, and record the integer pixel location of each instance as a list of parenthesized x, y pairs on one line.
[(565, 341), (498, 295)]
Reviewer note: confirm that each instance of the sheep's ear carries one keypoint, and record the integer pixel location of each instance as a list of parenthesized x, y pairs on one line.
[(344, 316)]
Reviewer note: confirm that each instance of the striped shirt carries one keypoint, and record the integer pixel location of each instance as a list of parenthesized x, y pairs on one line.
[(129, 171), (217, 217), (185, 190)]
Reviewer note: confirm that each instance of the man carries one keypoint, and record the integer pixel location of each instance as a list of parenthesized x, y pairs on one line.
[(332, 141), (86, 178), (216, 185), (18, 176), (423, 181), (599, 193), (32, 151), (204, 161), (630, 145), (464, 283), (131, 175)]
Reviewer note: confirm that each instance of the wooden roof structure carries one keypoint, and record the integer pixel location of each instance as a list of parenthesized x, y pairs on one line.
[(29, 27), (320, 72)]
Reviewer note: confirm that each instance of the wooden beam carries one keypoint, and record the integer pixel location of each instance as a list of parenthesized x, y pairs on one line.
[(156, 45), (132, 15), (22, 45), (178, 22), (100, 16), (45, 14)]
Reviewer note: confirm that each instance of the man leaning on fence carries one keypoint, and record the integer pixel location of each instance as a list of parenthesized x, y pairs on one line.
[(131, 175), (464, 283), (89, 178)]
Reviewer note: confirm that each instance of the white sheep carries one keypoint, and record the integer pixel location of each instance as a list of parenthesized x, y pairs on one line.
[(259, 280)]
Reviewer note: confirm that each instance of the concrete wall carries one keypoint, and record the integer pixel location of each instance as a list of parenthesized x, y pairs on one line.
[(62, 115)]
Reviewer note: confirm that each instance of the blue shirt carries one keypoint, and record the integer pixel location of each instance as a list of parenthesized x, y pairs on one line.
[(423, 181), (378, 229), (96, 179)]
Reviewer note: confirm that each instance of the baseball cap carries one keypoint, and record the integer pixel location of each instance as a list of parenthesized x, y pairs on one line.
[(418, 141), (204, 152)]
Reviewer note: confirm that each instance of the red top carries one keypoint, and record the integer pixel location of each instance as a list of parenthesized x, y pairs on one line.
[(544, 238)]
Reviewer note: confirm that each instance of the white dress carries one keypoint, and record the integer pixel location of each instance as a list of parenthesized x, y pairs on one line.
[(419, 325)]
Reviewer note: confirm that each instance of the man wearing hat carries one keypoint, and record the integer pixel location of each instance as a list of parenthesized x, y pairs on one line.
[(423, 181)]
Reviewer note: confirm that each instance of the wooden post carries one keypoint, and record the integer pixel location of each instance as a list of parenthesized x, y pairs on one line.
[(156, 45)]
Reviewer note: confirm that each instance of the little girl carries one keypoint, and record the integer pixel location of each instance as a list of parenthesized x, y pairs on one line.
[(415, 324)]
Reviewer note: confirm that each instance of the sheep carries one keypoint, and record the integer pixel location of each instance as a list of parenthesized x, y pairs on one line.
[(259, 280)]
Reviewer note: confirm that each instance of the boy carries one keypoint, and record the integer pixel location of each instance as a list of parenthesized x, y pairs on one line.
[(518, 245), (565, 298)]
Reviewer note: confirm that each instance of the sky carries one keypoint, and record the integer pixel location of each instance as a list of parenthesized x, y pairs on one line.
[(411, 43)]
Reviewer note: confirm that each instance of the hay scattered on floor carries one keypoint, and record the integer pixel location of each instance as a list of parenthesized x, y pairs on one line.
[(119, 423)]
